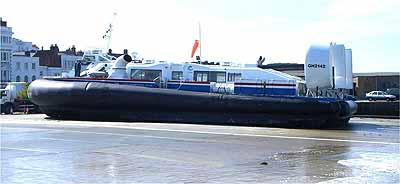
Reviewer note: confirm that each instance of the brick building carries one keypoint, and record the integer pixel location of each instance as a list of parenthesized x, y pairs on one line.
[(377, 81)]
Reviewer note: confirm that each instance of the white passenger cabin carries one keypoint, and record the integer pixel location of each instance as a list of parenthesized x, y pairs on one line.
[(225, 78)]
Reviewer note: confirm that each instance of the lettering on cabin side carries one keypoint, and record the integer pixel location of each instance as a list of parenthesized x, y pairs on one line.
[(316, 65)]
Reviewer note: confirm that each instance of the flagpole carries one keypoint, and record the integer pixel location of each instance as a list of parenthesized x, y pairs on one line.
[(200, 38)]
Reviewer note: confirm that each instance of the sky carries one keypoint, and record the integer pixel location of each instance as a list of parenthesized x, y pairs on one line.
[(231, 30)]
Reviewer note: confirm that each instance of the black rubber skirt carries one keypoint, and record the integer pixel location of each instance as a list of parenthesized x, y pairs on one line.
[(98, 100)]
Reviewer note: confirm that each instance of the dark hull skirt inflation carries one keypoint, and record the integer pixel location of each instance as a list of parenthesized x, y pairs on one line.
[(112, 101)]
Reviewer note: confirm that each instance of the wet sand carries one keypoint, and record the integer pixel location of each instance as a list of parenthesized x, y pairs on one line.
[(36, 149)]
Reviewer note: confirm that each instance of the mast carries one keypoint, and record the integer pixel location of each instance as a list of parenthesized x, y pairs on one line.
[(109, 31)]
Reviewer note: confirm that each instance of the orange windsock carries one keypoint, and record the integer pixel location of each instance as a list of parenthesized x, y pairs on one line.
[(196, 44)]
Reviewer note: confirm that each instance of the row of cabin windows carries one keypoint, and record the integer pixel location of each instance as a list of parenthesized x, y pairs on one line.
[(26, 78), (234, 77), (211, 76), (93, 58), (199, 76)]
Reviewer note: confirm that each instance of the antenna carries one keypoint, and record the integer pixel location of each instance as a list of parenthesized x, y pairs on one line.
[(109, 31)]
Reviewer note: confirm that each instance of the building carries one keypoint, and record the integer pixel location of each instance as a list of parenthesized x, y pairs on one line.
[(378, 81), (31, 65), (5, 52), (26, 68), (30, 62), (50, 57), (22, 46), (69, 57), (56, 62)]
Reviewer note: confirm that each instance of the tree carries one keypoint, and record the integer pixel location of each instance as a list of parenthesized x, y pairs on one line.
[(23, 94)]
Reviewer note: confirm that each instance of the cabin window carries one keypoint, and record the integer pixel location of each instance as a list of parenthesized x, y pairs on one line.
[(177, 75), (103, 68), (145, 74), (201, 76), (234, 77), (217, 76), (102, 59), (89, 58)]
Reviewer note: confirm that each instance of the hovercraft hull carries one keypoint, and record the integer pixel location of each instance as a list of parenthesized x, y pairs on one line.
[(102, 100)]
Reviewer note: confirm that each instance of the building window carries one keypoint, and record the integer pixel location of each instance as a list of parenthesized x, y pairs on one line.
[(26, 66), (18, 66), (234, 77), (177, 75), (3, 39), (41, 74), (33, 66), (3, 56), (26, 79), (33, 77), (18, 79)]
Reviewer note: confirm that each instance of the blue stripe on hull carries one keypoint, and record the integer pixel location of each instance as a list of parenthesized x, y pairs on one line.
[(285, 93), (150, 85), (130, 83), (264, 91), (184, 87)]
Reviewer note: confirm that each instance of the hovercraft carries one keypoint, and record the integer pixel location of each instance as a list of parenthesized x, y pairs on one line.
[(119, 98)]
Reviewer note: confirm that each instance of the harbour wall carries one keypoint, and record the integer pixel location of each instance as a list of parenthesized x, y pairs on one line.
[(378, 108)]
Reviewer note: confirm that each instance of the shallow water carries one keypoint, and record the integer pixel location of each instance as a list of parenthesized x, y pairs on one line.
[(372, 167), (39, 150)]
